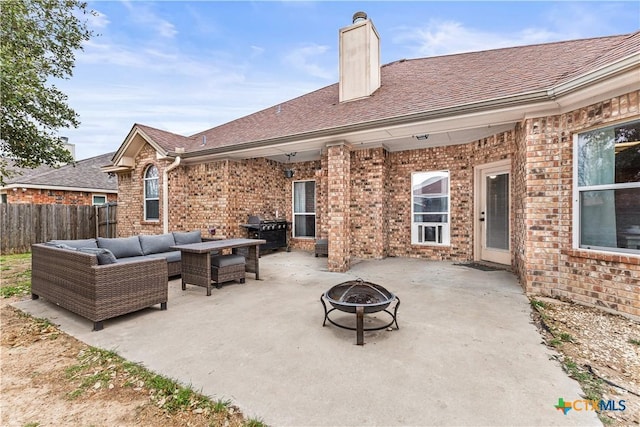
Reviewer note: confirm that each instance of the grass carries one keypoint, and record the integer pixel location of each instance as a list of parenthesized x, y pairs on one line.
[(99, 369), (591, 385), (634, 341), (15, 273), (254, 422), (537, 304)]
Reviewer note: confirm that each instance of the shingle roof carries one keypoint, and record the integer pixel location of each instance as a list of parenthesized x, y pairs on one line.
[(83, 174), (418, 86)]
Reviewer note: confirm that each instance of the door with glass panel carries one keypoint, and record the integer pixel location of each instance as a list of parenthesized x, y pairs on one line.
[(493, 233), (304, 209)]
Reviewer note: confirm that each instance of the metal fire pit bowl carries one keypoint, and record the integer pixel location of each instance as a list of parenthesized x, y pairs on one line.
[(360, 297)]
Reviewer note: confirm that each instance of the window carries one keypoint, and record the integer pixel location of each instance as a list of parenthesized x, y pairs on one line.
[(98, 199), (151, 199), (304, 209), (430, 208), (607, 190)]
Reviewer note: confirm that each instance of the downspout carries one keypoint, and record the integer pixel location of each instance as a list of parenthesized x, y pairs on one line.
[(165, 193)]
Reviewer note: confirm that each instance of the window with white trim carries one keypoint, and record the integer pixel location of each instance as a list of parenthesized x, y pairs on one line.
[(607, 188), (98, 199), (151, 194), (430, 208), (304, 209)]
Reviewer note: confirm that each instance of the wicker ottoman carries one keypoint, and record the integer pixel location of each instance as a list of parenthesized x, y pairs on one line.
[(322, 247), (225, 268)]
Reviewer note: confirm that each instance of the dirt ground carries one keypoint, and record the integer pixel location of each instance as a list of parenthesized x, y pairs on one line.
[(35, 359)]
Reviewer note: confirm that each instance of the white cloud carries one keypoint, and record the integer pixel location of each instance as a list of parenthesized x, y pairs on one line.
[(256, 51), (449, 37), (308, 59), (142, 13), (98, 20)]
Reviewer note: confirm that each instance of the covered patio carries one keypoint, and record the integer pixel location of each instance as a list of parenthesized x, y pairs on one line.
[(466, 353)]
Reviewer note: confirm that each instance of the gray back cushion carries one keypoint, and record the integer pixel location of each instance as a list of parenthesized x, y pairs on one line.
[(83, 243), (185, 237), (122, 247), (156, 244), (105, 256)]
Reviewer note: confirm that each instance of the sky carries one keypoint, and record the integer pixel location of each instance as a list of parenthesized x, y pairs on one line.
[(188, 66)]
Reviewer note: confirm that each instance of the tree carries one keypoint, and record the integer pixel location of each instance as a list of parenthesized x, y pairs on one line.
[(38, 41)]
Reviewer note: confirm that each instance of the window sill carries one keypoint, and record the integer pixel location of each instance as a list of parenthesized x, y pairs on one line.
[(603, 256)]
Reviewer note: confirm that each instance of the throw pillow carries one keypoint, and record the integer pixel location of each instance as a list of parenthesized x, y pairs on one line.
[(105, 256), (185, 237), (122, 247), (60, 246), (155, 244), (81, 243)]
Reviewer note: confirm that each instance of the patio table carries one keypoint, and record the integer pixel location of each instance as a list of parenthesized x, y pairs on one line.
[(196, 259)]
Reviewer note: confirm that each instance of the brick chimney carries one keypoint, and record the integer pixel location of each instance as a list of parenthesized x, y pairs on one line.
[(359, 59)]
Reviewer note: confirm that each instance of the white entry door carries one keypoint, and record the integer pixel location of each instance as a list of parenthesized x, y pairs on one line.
[(493, 234)]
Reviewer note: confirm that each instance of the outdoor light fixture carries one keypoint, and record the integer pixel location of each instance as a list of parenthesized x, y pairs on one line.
[(422, 137), (288, 172)]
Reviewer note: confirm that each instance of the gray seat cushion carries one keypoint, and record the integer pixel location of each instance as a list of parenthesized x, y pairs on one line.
[(173, 256), (186, 237), (105, 256), (156, 243), (226, 260), (82, 243), (122, 247)]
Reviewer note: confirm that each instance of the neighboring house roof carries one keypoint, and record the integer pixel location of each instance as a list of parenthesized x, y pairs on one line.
[(83, 175), (419, 90)]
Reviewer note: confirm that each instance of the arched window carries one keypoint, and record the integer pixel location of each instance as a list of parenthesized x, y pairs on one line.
[(151, 195)]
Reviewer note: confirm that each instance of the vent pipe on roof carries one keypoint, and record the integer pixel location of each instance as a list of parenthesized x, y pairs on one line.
[(359, 59)]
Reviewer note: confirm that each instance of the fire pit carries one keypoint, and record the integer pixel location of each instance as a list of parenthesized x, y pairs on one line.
[(360, 297)]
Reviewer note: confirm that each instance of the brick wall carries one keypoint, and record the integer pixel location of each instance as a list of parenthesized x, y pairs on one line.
[(55, 197), (459, 160), (339, 207), (131, 196), (220, 194), (364, 203), (368, 208), (551, 265), (518, 203)]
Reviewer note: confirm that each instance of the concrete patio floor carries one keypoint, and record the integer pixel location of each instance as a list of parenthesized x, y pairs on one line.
[(466, 353)]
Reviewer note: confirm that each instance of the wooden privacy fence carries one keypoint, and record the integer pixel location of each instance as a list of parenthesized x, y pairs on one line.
[(21, 224)]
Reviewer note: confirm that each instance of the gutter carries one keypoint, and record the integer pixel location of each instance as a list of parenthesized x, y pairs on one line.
[(165, 193), (518, 100)]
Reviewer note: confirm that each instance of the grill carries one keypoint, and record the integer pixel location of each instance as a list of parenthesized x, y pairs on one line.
[(274, 231), (360, 297)]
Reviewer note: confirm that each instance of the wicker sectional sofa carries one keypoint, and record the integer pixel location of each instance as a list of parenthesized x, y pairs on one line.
[(103, 278)]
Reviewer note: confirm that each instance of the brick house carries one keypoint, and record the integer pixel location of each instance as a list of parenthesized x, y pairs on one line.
[(526, 156), (81, 183)]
